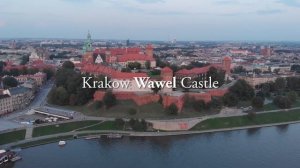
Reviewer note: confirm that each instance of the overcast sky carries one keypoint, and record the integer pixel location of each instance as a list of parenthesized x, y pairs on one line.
[(152, 19)]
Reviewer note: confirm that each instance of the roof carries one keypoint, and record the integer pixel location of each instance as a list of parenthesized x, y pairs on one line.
[(108, 71), (127, 75), (167, 70), (193, 71), (135, 57), (18, 90), (227, 58)]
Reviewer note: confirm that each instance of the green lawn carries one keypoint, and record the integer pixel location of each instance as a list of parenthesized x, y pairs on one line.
[(266, 118), (107, 125), (61, 128), (12, 137), (44, 141), (269, 107)]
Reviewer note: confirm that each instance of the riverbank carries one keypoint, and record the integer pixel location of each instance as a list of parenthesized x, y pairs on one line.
[(56, 132), (82, 134)]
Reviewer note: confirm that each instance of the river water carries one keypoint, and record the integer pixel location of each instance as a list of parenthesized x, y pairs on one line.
[(272, 147)]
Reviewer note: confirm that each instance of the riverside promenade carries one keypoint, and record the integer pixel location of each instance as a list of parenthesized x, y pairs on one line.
[(82, 134)]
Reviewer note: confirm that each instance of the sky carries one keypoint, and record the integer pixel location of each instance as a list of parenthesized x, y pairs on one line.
[(183, 20)]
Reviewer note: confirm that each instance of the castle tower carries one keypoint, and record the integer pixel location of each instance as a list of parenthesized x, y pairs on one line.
[(166, 75), (87, 51), (87, 47), (149, 50), (227, 64)]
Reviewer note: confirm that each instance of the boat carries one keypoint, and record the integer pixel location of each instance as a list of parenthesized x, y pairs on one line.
[(16, 158), (7, 156), (92, 137), (112, 136), (62, 143)]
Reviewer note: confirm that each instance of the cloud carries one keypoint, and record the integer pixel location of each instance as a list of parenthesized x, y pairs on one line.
[(2, 23), (292, 3), (269, 12), (78, 1), (150, 1)]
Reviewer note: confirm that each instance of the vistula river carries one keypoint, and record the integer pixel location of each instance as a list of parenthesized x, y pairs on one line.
[(272, 147)]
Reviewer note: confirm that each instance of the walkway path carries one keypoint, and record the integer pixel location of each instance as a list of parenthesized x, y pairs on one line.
[(29, 131), (141, 134)]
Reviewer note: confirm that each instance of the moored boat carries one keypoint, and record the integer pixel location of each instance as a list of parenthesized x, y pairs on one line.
[(7, 156), (62, 143), (112, 136)]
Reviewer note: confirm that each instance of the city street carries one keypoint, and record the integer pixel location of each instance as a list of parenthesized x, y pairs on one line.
[(8, 121)]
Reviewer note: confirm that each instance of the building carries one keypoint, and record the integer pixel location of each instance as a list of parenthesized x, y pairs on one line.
[(40, 78), (200, 73), (21, 97), (239, 52), (14, 99), (122, 56), (6, 104), (266, 51)]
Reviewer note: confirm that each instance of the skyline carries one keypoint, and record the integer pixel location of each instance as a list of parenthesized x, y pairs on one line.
[(161, 20)]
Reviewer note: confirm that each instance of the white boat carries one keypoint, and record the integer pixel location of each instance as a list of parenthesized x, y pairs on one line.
[(62, 143), (16, 158)]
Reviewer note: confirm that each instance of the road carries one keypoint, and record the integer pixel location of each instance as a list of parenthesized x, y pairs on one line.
[(6, 122)]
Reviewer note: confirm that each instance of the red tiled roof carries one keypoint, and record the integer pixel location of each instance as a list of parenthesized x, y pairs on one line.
[(135, 57), (193, 71), (227, 58), (108, 71), (166, 70), (127, 75)]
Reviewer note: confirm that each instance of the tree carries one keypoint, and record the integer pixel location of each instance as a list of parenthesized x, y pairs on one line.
[(239, 69), (9, 82), (68, 65), (257, 102), (216, 103), (230, 99), (2, 65), (24, 60), (134, 65), (280, 84), (97, 104), (147, 64), (257, 71), (295, 68), (119, 122), (172, 109), (242, 90), (198, 105), (72, 99), (132, 111), (293, 83), (15, 72), (59, 96), (265, 89), (126, 69), (216, 75), (49, 72), (109, 99), (292, 95), (251, 115), (282, 102), (137, 125), (32, 71)]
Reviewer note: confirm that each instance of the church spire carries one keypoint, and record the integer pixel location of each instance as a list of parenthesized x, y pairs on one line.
[(88, 44)]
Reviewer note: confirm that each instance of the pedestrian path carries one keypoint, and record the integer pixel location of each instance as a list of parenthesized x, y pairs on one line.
[(29, 131)]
